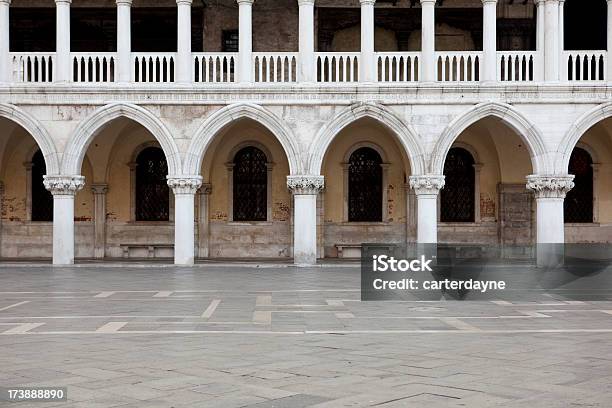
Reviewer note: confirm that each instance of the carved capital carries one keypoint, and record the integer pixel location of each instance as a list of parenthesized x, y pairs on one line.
[(64, 185), (247, 2), (428, 2), (306, 2), (99, 188), (550, 186), (489, 1), (185, 184), (63, 1), (427, 184), (367, 2), (206, 189), (303, 185), (184, 2), (124, 3), (7, 2)]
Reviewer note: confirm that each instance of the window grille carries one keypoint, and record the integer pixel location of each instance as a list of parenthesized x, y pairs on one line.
[(579, 200), (457, 201), (152, 191), (365, 184), (250, 182)]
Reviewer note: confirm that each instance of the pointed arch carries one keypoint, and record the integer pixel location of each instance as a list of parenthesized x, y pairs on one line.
[(88, 129), (577, 130), (530, 135), (230, 114), (37, 131), (408, 138)]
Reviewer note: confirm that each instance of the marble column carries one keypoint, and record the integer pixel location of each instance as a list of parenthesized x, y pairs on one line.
[(5, 60), (609, 73), (306, 40), (551, 41), (550, 192), (427, 189), (245, 40), (204, 220), (99, 192), (305, 190), (62, 55), (428, 40), (489, 40), (183, 59), (540, 40), (368, 58), (124, 41), (64, 189), (184, 188)]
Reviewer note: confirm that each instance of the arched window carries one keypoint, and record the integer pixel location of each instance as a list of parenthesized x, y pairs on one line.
[(579, 201), (152, 191), (250, 185), (365, 186), (457, 201), (42, 199)]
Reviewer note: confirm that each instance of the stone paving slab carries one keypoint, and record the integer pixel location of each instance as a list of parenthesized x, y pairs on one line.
[(216, 336)]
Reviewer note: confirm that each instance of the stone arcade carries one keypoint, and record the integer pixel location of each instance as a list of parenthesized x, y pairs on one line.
[(300, 129)]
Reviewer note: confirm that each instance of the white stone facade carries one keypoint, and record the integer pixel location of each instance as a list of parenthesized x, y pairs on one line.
[(548, 115)]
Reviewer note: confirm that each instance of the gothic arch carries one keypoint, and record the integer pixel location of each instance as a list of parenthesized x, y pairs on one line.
[(407, 136), (230, 114), (37, 131), (509, 116), (577, 130), (87, 130)]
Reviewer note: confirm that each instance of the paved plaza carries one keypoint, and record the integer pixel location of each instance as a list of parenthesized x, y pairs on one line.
[(278, 336)]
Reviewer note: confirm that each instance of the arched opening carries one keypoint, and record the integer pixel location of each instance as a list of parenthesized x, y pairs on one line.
[(457, 198), (132, 211), (485, 199), (26, 207), (244, 209), (365, 185), (152, 191), (578, 204), (250, 193), (588, 206), (366, 198), (42, 199)]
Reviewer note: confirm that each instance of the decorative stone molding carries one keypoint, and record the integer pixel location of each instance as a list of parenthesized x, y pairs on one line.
[(427, 184), (99, 188), (64, 185), (124, 3), (7, 2), (206, 189), (305, 185), (185, 184), (186, 2), (249, 2), (367, 2), (309, 2), (550, 186)]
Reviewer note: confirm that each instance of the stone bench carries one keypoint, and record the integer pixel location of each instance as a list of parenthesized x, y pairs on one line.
[(151, 248)]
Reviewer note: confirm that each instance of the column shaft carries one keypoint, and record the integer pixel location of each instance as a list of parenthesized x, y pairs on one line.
[(184, 217), (489, 39), (550, 192), (5, 60), (368, 65), (124, 40), (540, 40), (427, 189), (203, 221), (63, 188), (609, 73), (184, 70), (305, 190), (245, 40), (428, 40), (62, 63), (551, 40), (307, 49), (99, 192)]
